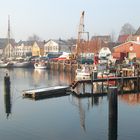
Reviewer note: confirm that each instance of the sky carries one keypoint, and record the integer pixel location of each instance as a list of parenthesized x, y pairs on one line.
[(53, 19)]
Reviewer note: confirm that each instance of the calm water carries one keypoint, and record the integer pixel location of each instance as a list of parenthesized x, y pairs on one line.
[(62, 118)]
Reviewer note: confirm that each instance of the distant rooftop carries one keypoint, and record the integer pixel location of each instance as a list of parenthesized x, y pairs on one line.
[(4, 42), (137, 32)]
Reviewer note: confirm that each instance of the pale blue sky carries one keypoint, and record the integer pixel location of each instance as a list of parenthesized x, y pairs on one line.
[(60, 18)]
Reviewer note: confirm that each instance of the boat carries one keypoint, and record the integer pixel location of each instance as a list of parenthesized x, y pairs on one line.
[(40, 65), (107, 75), (5, 64), (18, 64), (83, 73)]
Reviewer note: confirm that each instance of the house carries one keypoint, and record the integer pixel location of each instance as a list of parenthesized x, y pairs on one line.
[(55, 46), (51, 46), (123, 38), (104, 38), (23, 48), (38, 49), (129, 49), (3, 45), (9, 50), (135, 37)]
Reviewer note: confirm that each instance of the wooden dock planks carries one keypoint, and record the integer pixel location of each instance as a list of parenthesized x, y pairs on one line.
[(46, 92)]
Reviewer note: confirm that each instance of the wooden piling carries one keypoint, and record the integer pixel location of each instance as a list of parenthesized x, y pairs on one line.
[(7, 83), (83, 88), (92, 83), (7, 98), (113, 113)]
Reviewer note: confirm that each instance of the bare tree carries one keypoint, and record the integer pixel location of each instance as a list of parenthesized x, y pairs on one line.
[(127, 29), (113, 36), (34, 37)]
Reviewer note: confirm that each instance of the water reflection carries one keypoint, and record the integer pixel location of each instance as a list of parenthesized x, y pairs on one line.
[(78, 103), (83, 107), (38, 75), (93, 118), (7, 100), (130, 99)]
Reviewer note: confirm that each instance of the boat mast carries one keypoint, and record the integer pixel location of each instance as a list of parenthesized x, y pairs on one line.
[(9, 36)]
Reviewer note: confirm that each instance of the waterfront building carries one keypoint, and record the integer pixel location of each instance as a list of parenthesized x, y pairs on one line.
[(5, 48), (130, 49), (55, 46), (8, 50), (23, 48), (38, 48), (51, 46)]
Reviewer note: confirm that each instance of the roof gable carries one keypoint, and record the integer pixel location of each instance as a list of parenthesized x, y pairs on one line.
[(138, 31), (122, 38)]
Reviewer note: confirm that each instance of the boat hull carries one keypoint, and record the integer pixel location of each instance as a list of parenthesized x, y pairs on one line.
[(40, 66), (21, 64)]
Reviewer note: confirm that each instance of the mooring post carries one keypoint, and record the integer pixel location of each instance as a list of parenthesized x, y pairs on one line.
[(7, 83), (137, 80), (102, 85), (83, 88), (113, 113), (122, 84), (92, 82)]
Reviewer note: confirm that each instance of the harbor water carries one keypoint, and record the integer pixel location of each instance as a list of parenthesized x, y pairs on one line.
[(65, 117)]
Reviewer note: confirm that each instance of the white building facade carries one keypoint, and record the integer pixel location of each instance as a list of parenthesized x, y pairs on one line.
[(51, 46)]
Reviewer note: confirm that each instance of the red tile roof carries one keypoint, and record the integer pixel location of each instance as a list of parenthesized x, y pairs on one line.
[(122, 38)]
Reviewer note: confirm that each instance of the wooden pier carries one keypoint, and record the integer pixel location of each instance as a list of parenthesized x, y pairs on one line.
[(48, 92), (121, 81)]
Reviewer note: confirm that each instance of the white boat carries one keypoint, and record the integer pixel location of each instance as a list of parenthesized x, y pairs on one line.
[(83, 73), (18, 64), (40, 65), (5, 64)]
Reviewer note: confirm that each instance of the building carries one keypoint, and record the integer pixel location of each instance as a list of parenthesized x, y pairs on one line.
[(5, 50), (123, 38), (55, 46), (38, 49), (135, 37), (51, 46), (23, 48), (129, 49), (104, 38)]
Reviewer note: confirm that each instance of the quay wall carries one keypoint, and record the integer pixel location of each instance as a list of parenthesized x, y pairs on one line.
[(60, 66)]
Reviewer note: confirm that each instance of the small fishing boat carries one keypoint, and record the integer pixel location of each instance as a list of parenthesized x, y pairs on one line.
[(40, 65), (83, 73), (5, 64)]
